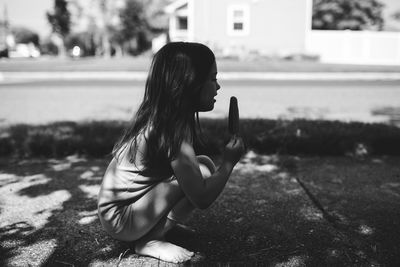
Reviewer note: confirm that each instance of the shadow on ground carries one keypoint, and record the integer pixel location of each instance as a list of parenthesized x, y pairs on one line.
[(49, 213), (264, 217), (363, 198)]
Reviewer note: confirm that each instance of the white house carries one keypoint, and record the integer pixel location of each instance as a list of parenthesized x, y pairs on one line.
[(275, 27), (242, 26)]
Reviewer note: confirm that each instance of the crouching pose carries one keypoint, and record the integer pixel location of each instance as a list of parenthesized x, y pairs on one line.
[(155, 179)]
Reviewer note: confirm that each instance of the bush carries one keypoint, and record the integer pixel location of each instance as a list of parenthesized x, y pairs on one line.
[(298, 137), (6, 147), (98, 138)]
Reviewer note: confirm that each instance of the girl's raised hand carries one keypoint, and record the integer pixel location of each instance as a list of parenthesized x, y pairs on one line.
[(234, 150)]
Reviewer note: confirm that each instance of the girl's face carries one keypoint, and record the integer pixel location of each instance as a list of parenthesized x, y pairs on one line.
[(209, 91)]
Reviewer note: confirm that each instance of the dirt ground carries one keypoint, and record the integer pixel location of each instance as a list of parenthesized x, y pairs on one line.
[(274, 211)]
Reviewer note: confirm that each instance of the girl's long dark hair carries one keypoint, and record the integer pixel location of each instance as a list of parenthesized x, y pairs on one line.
[(167, 112)]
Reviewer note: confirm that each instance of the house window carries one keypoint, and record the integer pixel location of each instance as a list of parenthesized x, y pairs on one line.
[(238, 26), (182, 23), (238, 20)]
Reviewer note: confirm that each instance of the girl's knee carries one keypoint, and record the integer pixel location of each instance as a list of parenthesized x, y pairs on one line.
[(205, 171), (207, 162), (169, 188)]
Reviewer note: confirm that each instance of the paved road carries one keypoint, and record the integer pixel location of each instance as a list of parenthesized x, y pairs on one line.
[(45, 101)]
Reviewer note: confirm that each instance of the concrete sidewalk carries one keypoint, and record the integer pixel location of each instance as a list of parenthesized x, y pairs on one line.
[(264, 217), (6, 77)]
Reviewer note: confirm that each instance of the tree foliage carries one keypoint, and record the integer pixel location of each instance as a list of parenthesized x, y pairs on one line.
[(347, 15), (156, 17), (133, 20), (24, 35), (130, 35), (60, 18), (396, 15)]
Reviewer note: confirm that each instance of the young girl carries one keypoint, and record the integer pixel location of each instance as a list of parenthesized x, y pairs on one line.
[(155, 178)]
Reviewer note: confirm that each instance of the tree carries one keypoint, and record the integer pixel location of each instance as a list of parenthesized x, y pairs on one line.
[(347, 15), (396, 15), (133, 22), (106, 14), (24, 35), (60, 20), (128, 34), (156, 17)]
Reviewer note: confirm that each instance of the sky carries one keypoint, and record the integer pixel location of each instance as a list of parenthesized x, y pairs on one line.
[(28, 13), (32, 13), (391, 7)]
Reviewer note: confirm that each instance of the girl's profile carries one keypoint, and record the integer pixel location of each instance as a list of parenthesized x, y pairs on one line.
[(155, 179)]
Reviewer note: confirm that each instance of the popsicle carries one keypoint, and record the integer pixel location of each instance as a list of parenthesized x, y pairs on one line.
[(233, 116)]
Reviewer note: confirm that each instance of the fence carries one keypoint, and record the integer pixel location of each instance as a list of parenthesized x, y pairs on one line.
[(355, 47)]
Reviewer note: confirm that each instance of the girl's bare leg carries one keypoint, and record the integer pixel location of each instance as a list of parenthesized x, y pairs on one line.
[(182, 210), (150, 213), (153, 243)]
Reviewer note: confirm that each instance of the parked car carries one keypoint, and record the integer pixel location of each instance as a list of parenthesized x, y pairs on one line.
[(24, 50)]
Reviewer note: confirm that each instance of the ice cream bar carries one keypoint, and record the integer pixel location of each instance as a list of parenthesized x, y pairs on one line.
[(233, 116)]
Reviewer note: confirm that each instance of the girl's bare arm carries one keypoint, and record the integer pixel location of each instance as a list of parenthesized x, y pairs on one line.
[(203, 192)]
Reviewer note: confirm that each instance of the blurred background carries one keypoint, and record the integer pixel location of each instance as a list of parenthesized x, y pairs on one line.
[(320, 59), (131, 27)]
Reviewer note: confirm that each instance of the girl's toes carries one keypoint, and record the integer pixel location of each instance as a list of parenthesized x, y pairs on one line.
[(189, 253)]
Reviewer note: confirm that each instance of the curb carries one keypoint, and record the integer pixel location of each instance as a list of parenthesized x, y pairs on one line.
[(234, 76)]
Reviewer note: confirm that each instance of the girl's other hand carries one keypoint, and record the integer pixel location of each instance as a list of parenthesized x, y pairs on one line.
[(234, 150)]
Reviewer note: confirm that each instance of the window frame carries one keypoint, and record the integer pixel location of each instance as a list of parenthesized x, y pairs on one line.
[(178, 24), (245, 20)]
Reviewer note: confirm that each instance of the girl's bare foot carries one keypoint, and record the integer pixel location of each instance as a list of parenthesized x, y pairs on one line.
[(163, 250)]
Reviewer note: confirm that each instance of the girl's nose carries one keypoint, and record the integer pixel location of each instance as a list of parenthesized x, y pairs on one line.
[(218, 86)]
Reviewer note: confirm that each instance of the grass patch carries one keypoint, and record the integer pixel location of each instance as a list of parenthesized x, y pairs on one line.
[(297, 137)]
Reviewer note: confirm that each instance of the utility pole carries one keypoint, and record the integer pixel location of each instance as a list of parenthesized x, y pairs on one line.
[(5, 36)]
